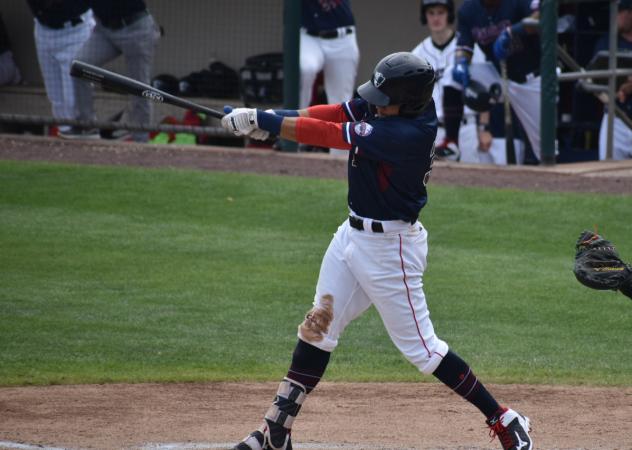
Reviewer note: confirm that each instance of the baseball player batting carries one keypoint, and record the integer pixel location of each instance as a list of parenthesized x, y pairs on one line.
[(497, 27), (378, 255)]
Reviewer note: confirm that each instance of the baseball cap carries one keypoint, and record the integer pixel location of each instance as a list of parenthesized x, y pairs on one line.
[(625, 5)]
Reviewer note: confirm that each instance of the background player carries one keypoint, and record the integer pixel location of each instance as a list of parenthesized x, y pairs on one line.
[(9, 71), (497, 27), (378, 256), (61, 28), (328, 43), (124, 27), (622, 135), (457, 136)]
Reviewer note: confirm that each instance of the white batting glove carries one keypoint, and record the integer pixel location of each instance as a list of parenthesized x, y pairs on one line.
[(259, 134), (241, 121)]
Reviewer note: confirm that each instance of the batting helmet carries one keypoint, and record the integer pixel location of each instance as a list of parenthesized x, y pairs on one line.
[(425, 4), (478, 98), (400, 79)]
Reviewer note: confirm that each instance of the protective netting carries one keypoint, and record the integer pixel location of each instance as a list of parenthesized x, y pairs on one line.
[(199, 49)]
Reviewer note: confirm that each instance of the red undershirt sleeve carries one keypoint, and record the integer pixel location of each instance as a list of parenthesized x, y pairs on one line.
[(328, 113), (321, 133)]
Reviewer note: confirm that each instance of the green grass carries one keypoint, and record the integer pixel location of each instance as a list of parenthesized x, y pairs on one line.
[(131, 275)]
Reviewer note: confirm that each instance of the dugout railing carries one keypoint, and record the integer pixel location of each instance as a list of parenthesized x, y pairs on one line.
[(551, 51), (195, 33)]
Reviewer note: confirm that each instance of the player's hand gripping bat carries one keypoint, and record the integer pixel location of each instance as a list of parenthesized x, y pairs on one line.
[(126, 85)]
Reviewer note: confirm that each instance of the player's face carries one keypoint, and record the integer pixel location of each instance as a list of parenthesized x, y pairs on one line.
[(390, 110), (624, 21), (437, 17)]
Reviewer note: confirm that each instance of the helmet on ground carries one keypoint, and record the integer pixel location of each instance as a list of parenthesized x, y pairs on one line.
[(425, 4), (479, 98), (400, 79)]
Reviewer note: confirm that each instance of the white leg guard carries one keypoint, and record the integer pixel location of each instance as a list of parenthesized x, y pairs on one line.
[(280, 417)]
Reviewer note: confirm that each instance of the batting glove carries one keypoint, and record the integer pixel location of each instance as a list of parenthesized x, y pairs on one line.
[(461, 71), (259, 134), (241, 121), (502, 46)]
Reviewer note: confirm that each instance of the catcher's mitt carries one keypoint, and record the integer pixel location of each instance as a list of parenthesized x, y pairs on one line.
[(598, 266)]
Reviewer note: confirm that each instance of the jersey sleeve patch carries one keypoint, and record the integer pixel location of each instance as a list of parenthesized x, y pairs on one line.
[(363, 129)]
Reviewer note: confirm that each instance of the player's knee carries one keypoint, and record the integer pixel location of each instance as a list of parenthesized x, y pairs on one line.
[(317, 321), (432, 357), (309, 69)]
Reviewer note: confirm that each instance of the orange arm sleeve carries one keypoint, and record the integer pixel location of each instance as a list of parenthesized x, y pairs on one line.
[(328, 113), (321, 133)]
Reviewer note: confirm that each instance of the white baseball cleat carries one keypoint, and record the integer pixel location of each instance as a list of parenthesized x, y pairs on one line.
[(512, 430)]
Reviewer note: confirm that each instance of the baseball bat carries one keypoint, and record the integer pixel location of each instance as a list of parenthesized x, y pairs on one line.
[(509, 135), (126, 85)]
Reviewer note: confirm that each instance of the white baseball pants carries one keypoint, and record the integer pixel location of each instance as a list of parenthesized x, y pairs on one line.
[(525, 101), (621, 139), (363, 268), (338, 59), (56, 48)]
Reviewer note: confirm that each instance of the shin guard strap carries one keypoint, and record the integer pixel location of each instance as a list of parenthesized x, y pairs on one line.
[(290, 396), (292, 390), (279, 417)]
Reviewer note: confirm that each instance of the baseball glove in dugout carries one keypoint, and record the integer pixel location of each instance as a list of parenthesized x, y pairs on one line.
[(598, 265)]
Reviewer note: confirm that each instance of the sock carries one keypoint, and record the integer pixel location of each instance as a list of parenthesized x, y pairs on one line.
[(452, 112), (458, 376), (308, 365)]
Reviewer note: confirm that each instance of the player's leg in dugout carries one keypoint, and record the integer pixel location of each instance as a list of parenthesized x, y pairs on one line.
[(56, 50), (468, 140), (312, 60), (97, 50), (342, 57), (525, 101), (621, 139), (138, 43)]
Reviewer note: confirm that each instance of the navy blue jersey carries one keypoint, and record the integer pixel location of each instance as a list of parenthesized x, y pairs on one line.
[(109, 10), (318, 15), (479, 25), (623, 45), (389, 162), (55, 14)]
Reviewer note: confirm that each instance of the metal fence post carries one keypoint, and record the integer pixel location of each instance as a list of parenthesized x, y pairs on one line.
[(291, 69), (548, 89), (612, 65)]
